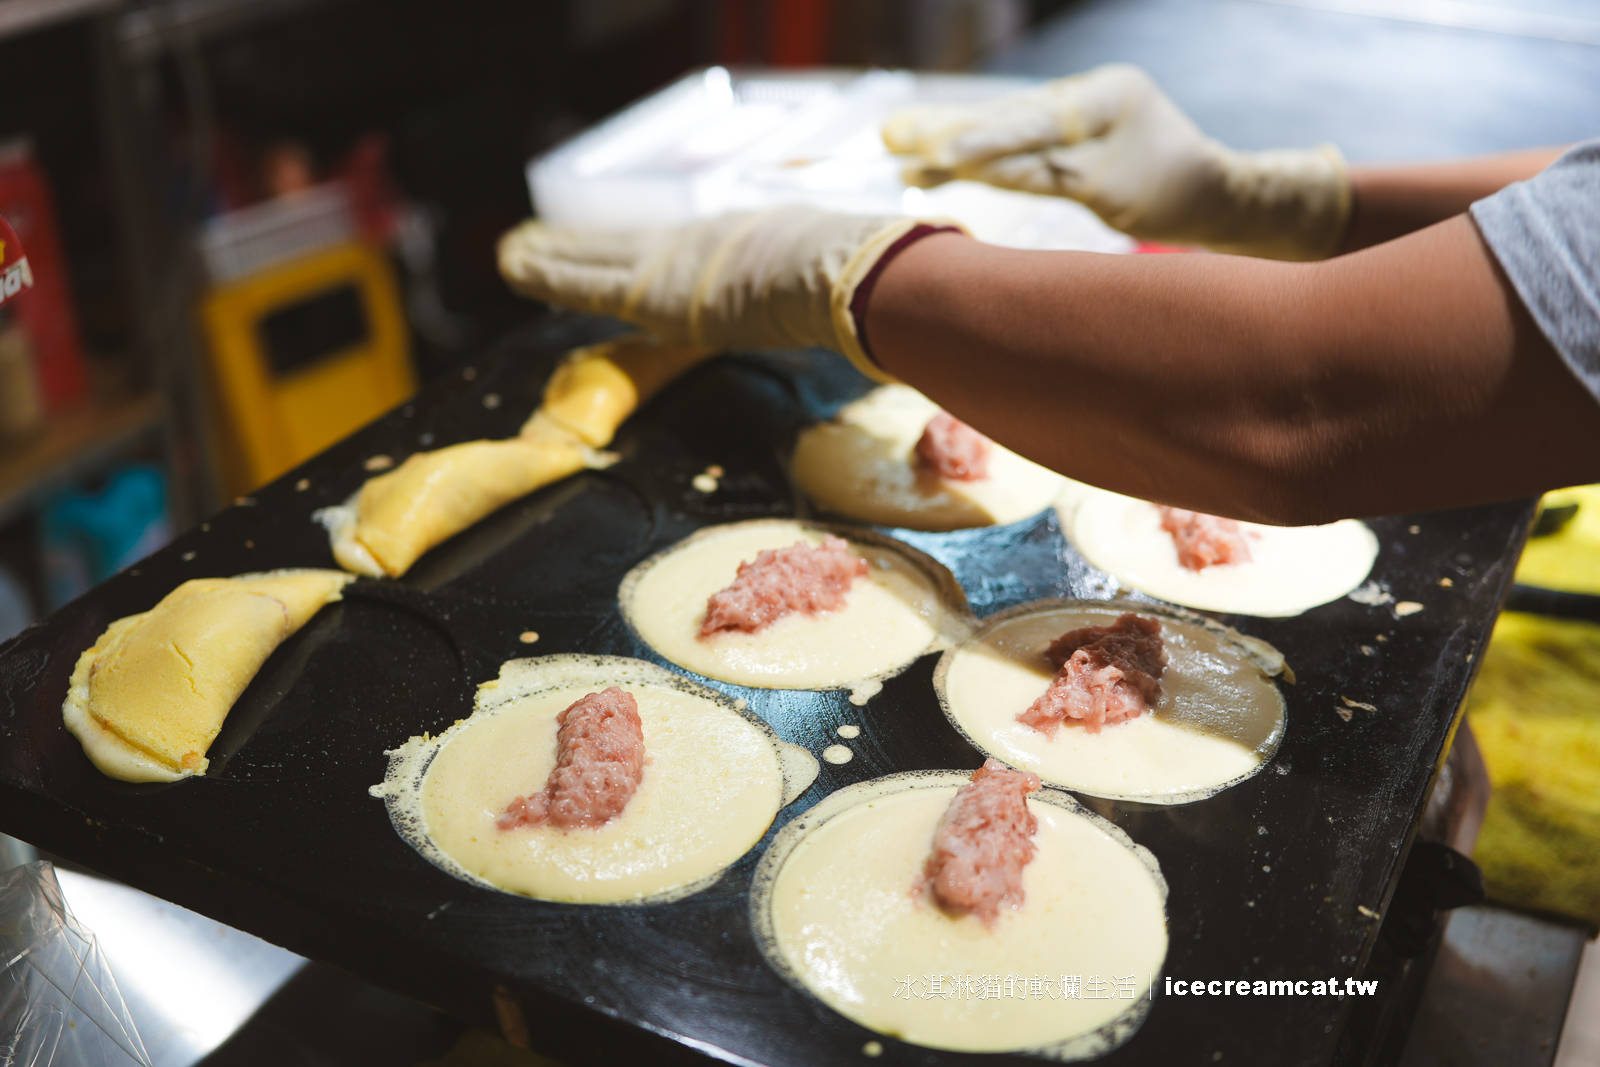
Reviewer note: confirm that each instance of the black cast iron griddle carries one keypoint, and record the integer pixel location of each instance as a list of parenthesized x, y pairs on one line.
[(1267, 879)]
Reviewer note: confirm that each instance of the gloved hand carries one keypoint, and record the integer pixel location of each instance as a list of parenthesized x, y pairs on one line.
[(783, 278), (1112, 140)]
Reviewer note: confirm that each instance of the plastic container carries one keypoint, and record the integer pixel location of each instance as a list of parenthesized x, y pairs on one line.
[(718, 140), (21, 402), (247, 241), (59, 1002), (46, 312)]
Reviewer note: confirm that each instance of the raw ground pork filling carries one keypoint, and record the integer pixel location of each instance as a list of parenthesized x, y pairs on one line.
[(1205, 540), (953, 449), (599, 762), (982, 844), (1105, 674), (779, 581)]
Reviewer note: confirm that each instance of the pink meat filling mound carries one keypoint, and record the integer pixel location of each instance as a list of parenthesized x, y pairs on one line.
[(983, 842), (1105, 675), (599, 761), (1205, 540), (779, 581), (953, 449)]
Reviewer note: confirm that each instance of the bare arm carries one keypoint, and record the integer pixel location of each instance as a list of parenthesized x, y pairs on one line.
[(1404, 377), (1392, 201)]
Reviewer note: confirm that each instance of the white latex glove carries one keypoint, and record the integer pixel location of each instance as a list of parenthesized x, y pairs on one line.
[(774, 279), (1112, 140)]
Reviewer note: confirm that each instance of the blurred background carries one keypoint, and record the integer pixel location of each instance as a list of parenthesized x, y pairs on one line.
[(204, 186), (255, 225)]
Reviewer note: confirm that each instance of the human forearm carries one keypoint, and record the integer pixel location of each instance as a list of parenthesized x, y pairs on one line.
[(1405, 378), (1133, 373), (1394, 200), (1111, 139)]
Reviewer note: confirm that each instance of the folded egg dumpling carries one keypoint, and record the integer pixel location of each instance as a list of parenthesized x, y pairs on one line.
[(149, 697), (432, 496), (395, 517)]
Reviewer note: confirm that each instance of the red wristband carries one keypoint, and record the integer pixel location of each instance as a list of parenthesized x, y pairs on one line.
[(863, 293)]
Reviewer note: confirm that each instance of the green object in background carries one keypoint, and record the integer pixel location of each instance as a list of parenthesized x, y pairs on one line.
[(1535, 711)]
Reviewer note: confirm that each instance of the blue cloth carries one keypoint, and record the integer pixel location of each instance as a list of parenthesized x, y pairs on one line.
[(85, 538), (1546, 234)]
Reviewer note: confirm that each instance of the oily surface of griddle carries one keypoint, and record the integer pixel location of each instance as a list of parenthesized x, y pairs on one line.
[(1268, 880)]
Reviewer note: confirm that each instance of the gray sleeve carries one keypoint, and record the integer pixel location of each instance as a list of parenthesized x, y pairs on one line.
[(1546, 234)]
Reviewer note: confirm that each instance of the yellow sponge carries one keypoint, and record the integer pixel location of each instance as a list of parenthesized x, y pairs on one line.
[(1535, 710), (1570, 559)]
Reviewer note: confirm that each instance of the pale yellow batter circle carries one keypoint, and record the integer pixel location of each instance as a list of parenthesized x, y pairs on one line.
[(863, 465), (834, 911), (906, 605), (1219, 720), (714, 778), (1292, 569)]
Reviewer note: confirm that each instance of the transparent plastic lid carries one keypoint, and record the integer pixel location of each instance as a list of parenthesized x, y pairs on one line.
[(720, 140), (59, 1002)]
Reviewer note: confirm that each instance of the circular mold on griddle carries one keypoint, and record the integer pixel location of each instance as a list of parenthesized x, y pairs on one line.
[(714, 778), (1292, 569), (354, 669), (863, 465), (836, 909), (905, 606), (549, 543), (1218, 721)]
